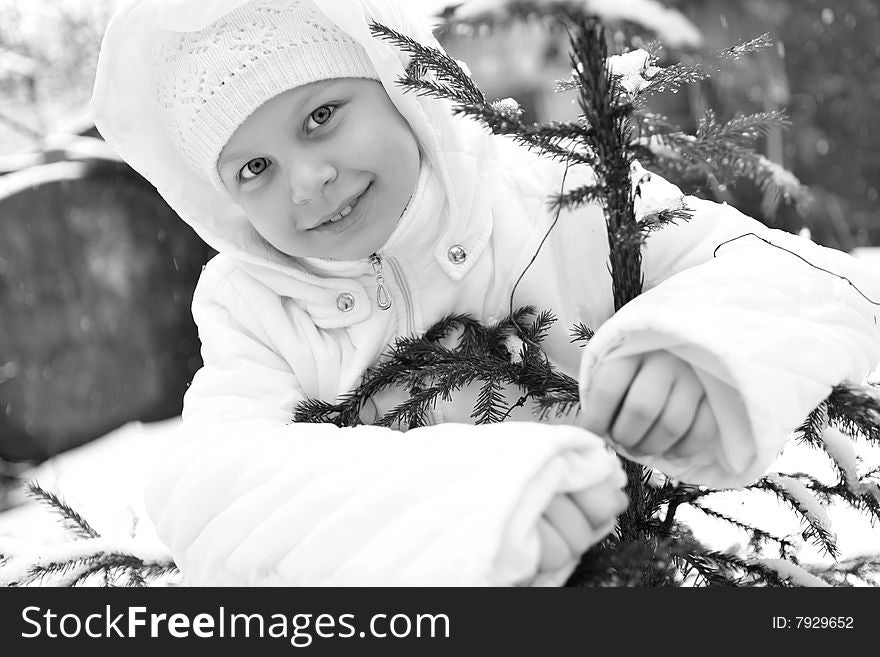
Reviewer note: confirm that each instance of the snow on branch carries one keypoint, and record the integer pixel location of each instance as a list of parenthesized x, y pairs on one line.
[(793, 573), (127, 562), (802, 500), (87, 558)]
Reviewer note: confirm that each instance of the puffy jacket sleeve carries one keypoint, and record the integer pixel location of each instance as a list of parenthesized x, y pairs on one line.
[(245, 497), (768, 320)]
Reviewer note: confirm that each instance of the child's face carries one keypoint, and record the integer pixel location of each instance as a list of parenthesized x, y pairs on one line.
[(317, 152)]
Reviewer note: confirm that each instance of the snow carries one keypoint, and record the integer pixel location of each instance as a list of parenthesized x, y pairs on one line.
[(779, 175), (794, 573), (508, 106), (514, 346), (655, 198), (841, 450), (856, 536), (24, 556), (870, 255), (805, 501), (634, 68), (102, 480)]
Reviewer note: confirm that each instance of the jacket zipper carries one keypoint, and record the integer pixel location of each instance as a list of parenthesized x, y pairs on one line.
[(383, 299), (397, 274)]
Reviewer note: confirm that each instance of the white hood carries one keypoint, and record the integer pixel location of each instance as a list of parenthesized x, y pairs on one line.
[(127, 114)]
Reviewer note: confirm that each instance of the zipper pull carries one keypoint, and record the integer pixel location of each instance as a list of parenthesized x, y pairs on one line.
[(383, 299)]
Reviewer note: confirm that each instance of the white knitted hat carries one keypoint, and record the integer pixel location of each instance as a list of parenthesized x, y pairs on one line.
[(210, 81)]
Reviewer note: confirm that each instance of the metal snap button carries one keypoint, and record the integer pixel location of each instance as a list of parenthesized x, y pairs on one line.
[(457, 254), (345, 302)]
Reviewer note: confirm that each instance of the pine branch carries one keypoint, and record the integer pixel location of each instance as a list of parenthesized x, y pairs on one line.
[(865, 499), (317, 411), (713, 570), (432, 371), (674, 77), (558, 141), (70, 519), (114, 565), (537, 332), (576, 197), (653, 222), (413, 412), (580, 332), (723, 151), (558, 404), (741, 131), (812, 514), (721, 569), (490, 403), (444, 67), (451, 83), (644, 562), (856, 410), (865, 569), (657, 497), (754, 532), (810, 432), (608, 114), (73, 563)]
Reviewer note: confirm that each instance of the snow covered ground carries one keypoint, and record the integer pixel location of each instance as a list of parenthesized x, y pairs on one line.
[(102, 480)]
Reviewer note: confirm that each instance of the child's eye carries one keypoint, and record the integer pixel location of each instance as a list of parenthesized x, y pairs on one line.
[(253, 168), (320, 116)]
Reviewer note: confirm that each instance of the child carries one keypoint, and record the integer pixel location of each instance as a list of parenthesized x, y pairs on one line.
[(347, 214)]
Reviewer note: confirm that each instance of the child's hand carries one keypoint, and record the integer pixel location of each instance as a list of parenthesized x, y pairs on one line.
[(575, 521), (650, 405)]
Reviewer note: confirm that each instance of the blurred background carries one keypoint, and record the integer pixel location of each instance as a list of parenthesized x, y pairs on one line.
[(97, 273)]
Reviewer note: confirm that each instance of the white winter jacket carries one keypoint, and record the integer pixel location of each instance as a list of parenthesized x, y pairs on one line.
[(248, 497)]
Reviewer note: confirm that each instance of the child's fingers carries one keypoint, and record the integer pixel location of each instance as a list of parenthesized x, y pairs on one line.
[(702, 434), (600, 504), (554, 551), (677, 417), (573, 522), (568, 520), (608, 388), (645, 399)]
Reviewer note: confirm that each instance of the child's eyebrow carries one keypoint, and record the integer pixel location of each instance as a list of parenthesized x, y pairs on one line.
[(227, 159)]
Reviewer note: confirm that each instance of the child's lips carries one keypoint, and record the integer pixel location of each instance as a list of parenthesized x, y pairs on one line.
[(342, 214)]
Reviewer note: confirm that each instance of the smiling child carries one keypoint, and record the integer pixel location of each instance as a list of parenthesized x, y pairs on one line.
[(347, 214)]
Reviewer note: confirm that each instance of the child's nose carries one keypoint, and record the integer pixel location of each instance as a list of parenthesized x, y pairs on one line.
[(309, 179)]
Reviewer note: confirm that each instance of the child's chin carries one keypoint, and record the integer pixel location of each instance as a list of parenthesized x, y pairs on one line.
[(360, 253)]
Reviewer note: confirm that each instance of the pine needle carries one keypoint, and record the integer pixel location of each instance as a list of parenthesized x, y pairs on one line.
[(70, 518)]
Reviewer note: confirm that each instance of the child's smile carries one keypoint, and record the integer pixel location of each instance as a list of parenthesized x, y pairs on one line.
[(346, 217), (323, 170)]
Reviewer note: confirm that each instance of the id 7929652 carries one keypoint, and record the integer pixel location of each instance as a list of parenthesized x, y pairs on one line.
[(813, 623)]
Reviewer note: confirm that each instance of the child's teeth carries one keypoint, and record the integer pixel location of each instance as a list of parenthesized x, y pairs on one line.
[(344, 212)]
